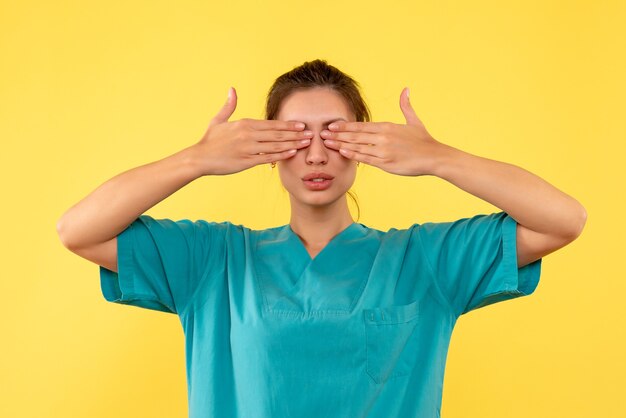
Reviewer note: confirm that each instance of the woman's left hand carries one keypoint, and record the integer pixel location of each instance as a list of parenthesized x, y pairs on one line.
[(407, 150)]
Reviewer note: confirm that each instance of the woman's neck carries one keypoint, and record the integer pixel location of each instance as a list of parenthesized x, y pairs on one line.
[(317, 225)]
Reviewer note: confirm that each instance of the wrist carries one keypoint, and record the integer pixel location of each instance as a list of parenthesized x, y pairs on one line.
[(191, 159), (444, 160)]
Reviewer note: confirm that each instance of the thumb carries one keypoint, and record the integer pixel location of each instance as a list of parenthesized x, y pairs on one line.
[(407, 109), (227, 110)]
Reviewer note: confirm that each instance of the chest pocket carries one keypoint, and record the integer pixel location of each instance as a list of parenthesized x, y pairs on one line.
[(388, 331)]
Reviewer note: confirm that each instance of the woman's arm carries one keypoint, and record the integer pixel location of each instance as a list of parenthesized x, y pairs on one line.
[(90, 227), (225, 148), (548, 218), (114, 205)]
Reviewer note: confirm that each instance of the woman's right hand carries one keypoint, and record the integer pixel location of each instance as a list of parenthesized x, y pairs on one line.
[(230, 147)]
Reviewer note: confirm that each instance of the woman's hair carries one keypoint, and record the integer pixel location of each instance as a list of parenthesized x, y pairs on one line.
[(318, 73)]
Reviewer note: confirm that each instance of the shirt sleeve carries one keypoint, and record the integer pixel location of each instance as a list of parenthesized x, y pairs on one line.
[(474, 261), (161, 262)]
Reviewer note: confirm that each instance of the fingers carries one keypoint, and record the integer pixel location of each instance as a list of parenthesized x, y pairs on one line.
[(268, 158), (227, 110), (275, 125), (363, 158), (372, 127), (278, 147), (272, 136), (267, 136), (365, 138), (360, 149)]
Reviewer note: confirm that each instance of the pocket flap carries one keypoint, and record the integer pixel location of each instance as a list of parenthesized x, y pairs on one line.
[(395, 314)]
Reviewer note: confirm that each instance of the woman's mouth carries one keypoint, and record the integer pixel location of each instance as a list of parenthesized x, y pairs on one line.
[(317, 180), (318, 183)]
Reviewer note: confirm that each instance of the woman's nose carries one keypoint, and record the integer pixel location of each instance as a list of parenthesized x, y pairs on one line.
[(316, 152)]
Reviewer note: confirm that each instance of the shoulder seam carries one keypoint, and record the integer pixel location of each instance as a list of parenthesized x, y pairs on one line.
[(226, 227), (433, 278)]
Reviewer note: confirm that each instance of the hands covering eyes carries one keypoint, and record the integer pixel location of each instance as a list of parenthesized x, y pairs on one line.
[(230, 147), (407, 149)]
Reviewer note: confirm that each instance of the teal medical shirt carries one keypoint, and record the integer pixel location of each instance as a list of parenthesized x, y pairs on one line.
[(361, 330)]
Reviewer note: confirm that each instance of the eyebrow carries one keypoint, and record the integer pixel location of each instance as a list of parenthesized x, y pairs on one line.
[(328, 122)]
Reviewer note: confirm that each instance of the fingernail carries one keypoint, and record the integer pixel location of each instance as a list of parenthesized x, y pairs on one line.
[(299, 125), (332, 126)]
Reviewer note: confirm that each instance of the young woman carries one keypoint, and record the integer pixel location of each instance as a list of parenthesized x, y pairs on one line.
[(324, 316)]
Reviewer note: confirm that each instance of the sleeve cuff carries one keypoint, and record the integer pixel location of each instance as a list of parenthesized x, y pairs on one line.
[(120, 287), (517, 281)]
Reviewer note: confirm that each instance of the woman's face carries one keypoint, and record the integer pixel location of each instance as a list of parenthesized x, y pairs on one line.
[(316, 107)]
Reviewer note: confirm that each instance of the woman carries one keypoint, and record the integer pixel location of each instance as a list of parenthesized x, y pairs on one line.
[(322, 317)]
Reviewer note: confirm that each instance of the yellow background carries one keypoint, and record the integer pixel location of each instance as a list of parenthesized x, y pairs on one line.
[(91, 89)]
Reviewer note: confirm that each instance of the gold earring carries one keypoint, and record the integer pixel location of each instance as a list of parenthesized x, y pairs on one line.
[(273, 164), (357, 163)]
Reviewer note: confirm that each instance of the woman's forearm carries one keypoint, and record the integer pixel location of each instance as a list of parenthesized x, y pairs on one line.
[(527, 198), (115, 204)]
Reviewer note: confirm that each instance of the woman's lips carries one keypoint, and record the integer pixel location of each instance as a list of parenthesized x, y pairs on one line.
[(318, 185)]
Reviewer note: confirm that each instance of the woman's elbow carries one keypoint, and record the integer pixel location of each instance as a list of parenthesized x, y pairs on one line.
[(578, 225), (64, 236)]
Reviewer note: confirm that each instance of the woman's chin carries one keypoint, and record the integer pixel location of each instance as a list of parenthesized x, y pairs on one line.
[(318, 199)]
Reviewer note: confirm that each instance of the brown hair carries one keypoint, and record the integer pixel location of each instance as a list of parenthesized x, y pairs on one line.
[(318, 73)]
